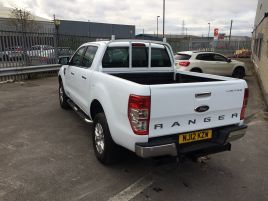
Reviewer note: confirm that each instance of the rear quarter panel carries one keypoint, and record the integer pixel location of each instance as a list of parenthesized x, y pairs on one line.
[(113, 94)]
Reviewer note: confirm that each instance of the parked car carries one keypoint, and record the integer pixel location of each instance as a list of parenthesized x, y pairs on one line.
[(64, 51), (137, 99), (11, 54), (41, 54), (211, 63)]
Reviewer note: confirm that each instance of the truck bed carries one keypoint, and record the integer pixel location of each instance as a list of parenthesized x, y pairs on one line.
[(154, 78)]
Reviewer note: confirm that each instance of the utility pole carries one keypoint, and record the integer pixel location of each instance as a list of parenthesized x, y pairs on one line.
[(182, 27), (89, 29), (157, 26), (164, 11), (208, 33), (230, 35)]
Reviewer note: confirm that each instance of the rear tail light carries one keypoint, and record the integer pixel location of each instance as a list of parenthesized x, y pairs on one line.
[(245, 102), (43, 59), (139, 113), (184, 63)]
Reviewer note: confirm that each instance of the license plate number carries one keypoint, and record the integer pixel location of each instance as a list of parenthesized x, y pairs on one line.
[(195, 136)]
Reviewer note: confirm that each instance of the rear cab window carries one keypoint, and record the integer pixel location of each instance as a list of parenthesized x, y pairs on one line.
[(118, 57)]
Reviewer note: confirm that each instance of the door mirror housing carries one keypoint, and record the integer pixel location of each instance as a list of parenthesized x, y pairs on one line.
[(64, 60), (229, 60)]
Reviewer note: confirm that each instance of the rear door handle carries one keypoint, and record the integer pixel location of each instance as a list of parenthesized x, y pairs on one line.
[(72, 73), (84, 77), (203, 95)]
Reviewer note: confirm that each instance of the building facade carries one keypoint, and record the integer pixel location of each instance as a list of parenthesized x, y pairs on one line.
[(260, 45)]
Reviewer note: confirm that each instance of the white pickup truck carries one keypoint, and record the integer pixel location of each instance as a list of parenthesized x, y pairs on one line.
[(137, 99)]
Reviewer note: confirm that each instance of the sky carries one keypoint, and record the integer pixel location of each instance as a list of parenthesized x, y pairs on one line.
[(196, 14)]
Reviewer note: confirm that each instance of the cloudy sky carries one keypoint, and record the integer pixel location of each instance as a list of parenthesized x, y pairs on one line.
[(142, 13)]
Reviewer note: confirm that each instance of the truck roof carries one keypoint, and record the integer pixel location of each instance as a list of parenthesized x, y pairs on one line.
[(126, 42)]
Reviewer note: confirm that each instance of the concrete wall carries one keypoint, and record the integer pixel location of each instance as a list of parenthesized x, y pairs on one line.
[(262, 8), (261, 61)]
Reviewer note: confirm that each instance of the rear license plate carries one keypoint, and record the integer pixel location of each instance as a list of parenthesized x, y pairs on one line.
[(195, 136)]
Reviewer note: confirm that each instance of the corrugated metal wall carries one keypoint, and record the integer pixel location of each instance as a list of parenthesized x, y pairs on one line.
[(94, 29)]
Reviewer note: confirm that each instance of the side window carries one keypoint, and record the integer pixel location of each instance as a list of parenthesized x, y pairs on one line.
[(218, 57), (139, 57), (76, 60), (89, 56), (160, 58), (205, 57), (116, 57)]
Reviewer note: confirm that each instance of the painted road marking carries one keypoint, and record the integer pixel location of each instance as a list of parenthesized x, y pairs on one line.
[(133, 190)]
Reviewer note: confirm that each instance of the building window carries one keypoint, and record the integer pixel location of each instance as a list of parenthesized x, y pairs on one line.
[(260, 48), (257, 47)]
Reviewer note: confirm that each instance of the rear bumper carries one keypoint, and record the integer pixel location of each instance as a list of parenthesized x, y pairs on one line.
[(169, 145)]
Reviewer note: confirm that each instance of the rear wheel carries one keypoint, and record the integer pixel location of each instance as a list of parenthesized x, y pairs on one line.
[(105, 148), (239, 73), (63, 97)]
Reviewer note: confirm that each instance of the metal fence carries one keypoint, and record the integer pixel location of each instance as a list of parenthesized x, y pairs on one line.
[(19, 49), (30, 49), (204, 44)]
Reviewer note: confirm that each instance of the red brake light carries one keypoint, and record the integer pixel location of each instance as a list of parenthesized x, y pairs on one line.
[(184, 63), (139, 113), (245, 102)]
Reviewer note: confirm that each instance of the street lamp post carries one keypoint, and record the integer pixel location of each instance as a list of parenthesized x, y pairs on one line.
[(157, 26), (164, 11), (88, 28)]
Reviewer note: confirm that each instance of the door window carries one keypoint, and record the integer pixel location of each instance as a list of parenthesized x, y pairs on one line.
[(218, 57), (76, 60), (205, 57), (89, 56)]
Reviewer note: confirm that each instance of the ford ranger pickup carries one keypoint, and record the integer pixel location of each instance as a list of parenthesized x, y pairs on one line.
[(138, 100)]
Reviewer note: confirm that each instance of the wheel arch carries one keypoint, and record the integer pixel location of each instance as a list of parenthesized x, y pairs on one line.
[(239, 66), (95, 108), (197, 69)]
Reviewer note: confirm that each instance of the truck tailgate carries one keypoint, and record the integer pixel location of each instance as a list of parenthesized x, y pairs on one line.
[(179, 108)]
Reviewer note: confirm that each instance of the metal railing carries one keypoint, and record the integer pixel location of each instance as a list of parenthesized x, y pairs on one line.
[(18, 73)]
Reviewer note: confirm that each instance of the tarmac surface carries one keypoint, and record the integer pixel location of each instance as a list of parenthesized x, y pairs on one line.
[(46, 153)]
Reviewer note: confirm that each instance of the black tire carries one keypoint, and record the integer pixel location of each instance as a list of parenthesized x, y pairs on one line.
[(63, 97), (106, 151), (239, 72), (196, 70)]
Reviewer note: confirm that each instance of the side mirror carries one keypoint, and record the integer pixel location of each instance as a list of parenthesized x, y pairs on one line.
[(229, 60), (64, 60)]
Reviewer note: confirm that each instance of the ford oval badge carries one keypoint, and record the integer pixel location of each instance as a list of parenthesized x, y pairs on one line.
[(202, 108)]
